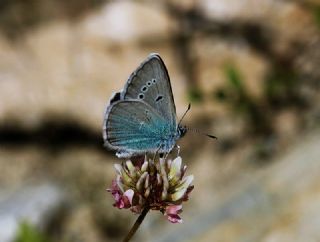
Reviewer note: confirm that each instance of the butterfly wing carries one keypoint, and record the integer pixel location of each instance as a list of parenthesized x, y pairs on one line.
[(133, 127), (150, 83)]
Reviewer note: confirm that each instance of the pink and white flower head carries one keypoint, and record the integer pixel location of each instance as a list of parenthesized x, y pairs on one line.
[(159, 185)]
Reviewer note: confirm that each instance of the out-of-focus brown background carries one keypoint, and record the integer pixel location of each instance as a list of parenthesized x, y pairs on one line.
[(249, 68)]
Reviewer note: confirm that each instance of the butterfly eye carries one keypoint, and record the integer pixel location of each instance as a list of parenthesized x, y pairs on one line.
[(144, 89), (141, 96)]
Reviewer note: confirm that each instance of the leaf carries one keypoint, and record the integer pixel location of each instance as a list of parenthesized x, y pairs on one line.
[(28, 233)]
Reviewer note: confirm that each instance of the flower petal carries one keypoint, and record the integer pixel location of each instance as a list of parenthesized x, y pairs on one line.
[(146, 182), (119, 183), (144, 166), (141, 181), (181, 189), (174, 218), (129, 194), (185, 182), (165, 182), (173, 209), (118, 168), (172, 212), (131, 168), (147, 192), (175, 170)]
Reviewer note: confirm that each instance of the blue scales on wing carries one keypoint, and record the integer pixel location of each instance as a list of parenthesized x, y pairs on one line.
[(134, 127)]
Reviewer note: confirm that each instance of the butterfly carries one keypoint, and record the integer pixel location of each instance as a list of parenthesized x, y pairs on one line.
[(141, 118)]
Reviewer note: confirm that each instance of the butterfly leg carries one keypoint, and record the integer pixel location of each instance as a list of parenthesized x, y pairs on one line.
[(178, 150), (166, 155), (155, 154)]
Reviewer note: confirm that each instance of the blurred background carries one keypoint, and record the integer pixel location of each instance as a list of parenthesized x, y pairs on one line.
[(249, 68)]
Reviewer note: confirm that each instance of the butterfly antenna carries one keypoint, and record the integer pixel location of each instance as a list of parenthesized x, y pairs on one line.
[(189, 106), (199, 132)]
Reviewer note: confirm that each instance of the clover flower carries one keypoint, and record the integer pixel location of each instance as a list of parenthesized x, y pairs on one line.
[(154, 184)]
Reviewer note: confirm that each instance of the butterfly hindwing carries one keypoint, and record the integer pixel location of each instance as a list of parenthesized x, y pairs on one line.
[(134, 127), (151, 84)]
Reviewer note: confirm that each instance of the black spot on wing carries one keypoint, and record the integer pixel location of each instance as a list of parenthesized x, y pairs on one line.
[(115, 97), (144, 88), (160, 97)]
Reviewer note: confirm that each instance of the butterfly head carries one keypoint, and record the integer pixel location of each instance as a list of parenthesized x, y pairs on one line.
[(181, 131)]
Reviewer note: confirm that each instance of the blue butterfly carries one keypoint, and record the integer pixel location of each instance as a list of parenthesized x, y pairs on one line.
[(141, 118)]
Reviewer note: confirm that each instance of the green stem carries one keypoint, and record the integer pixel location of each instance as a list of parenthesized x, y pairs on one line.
[(137, 224)]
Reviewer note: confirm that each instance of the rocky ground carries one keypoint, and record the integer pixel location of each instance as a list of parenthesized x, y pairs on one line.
[(250, 71)]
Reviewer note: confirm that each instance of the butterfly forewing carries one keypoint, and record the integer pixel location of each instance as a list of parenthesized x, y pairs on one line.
[(151, 84)]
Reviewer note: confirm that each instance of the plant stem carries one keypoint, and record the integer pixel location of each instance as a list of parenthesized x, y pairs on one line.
[(137, 224)]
